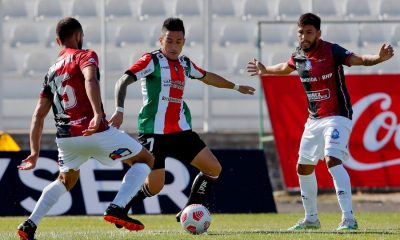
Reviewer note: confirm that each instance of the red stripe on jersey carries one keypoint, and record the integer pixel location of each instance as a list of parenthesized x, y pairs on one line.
[(199, 69), (141, 63), (176, 91)]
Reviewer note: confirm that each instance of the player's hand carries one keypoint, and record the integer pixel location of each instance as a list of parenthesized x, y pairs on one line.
[(93, 125), (28, 163), (386, 52), (246, 89), (255, 67), (116, 119)]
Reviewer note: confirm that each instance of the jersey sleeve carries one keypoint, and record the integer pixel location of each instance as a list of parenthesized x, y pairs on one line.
[(196, 72), (341, 55), (46, 89), (291, 63), (142, 67), (87, 58)]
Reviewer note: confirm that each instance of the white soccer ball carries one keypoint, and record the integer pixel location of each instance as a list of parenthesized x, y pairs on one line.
[(195, 219)]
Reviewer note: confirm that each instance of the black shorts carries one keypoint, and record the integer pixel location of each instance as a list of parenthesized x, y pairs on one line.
[(183, 146)]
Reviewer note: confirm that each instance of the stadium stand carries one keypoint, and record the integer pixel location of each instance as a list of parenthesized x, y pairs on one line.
[(290, 10), (255, 9), (34, 68), (395, 39), (389, 9), (23, 34), (233, 33), (151, 9), (222, 8), (48, 8), (325, 9), (14, 9), (358, 9), (186, 8), (84, 8), (118, 9)]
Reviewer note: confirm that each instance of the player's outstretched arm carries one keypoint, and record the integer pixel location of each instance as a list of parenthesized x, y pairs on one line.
[(220, 82), (120, 94), (255, 67), (385, 53), (42, 109)]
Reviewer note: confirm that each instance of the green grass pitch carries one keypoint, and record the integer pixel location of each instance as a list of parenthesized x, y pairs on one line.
[(223, 226)]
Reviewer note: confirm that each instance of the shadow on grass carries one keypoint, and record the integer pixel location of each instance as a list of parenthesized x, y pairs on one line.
[(374, 231)]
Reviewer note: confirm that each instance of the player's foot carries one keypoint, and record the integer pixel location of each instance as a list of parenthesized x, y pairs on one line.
[(117, 215), (178, 216), (26, 230), (348, 225), (305, 225)]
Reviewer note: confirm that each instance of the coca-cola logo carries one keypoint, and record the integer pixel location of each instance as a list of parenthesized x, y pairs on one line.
[(376, 134)]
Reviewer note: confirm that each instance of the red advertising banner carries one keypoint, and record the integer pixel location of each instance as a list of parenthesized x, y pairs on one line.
[(374, 159)]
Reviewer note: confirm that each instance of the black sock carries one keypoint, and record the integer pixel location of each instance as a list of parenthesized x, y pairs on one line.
[(140, 196), (201, 188)]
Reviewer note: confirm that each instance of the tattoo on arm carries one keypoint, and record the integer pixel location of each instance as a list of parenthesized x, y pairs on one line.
[(121, 87)]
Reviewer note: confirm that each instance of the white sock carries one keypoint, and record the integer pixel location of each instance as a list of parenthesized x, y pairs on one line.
[(50, 195), (309, 190), (341, 180), (131, 184)]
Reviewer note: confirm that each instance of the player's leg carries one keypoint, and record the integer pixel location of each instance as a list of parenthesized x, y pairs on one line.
[(311, 149), (336, 135), (120, 146), (210, 169), (50, 195)]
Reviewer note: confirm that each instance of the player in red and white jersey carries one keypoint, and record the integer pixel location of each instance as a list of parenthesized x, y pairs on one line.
[(164, 121), (71, 88), (326, 134)]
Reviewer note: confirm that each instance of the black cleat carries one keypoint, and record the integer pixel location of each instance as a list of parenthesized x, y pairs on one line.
[(26, 230), (117, 215), (178, 216)]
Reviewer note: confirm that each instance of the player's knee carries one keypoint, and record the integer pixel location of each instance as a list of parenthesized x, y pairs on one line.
[(303, 169), (334, 157)]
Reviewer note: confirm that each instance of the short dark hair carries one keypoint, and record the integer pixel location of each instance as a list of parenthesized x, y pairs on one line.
[(66, 27), (173, 24), (309, 19)]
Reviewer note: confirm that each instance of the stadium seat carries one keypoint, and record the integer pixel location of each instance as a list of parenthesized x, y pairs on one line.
[(280, 56), (92, 35), (255, 9), (289, 9), (32, 67), (129, 34), (218, 61), (48, 8), (24, 34), (194, 34), (222, 8), (326, 9), (114, 64), (372, 35), (9, 63), (241, 59), (358, 9), (187, 8), (274, 35), (118, 8), (233, 33), (151, 9), (395, 39), (84, 8), (389, 9), (344, 35), (14, 9)]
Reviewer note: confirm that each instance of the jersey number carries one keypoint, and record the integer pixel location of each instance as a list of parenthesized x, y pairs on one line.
[(67, 92)]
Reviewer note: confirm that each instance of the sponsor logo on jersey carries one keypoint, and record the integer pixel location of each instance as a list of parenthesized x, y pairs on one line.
[(121, 152), (92, 60), (171, 99), (308, 79), (335, 134), (315, 96), (327, 76)]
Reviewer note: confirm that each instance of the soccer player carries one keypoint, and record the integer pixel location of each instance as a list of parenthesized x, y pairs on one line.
[(164, 121), (326, 134), (71, 88)]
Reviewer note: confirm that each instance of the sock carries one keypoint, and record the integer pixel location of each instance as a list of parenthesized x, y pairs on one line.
[(50, 195), (341, 180), (309, 190), (143, 193), (131, 183), (201, 187)]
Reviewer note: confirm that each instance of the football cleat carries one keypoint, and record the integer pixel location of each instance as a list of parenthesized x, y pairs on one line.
[(26, 230), (348, 224), (178, 216), (117, 215), (305, 225)]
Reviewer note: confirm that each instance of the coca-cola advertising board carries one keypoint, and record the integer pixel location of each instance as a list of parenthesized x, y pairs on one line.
[(374, 146)]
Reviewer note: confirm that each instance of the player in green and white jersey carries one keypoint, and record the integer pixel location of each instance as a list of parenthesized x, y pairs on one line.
[(164, 122)]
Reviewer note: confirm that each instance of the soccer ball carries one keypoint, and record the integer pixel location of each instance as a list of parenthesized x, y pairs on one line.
[(195, 219)]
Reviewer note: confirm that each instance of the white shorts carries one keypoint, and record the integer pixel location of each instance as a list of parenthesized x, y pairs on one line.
[(108, 147), (325, 137)]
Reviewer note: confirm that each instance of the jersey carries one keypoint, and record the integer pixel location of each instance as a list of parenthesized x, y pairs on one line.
[(321, 73), (163, 83), (64, 84)]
